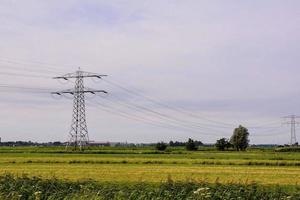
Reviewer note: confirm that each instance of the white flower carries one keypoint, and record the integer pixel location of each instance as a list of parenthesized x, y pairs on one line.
[(201, 190), (38, 192)]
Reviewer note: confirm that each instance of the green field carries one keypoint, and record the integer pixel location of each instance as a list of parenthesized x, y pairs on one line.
[(144, 173), (265, 167)]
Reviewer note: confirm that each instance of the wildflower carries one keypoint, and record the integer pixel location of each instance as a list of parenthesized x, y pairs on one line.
[(201, 190), (37, 193), (208, 195)]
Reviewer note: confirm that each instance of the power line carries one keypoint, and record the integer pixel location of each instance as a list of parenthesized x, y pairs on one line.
[(265, 125), (33, 63), (268, 135), (131, 116), (23, 75), (37, 89), (210, 125), (25, 68), (163, 124), (213, 123), (162, 116), (166, 105), (217, 123)]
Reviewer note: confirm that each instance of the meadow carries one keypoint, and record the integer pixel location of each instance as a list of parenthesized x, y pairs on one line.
[(130, 166)]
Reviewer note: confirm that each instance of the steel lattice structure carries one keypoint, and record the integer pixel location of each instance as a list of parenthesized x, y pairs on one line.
[(293, 122), (78, 136)]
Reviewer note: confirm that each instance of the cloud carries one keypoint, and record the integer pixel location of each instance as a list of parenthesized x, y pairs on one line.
[(236, 59)]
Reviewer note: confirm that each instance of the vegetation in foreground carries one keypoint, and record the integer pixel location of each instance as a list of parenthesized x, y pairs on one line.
[(36, 188)]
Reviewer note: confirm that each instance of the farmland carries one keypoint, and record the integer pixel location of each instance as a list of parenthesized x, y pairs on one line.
[(138, 164), (108, 170)]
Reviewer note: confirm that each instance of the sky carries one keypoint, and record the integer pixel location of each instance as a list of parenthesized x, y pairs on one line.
[(212, 65)]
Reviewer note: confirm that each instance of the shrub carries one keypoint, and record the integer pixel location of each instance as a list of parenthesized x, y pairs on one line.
[(191, 145), (161, 146), (288, 149), (223, 144)]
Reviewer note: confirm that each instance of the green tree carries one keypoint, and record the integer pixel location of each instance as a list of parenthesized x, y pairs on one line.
[(191, 145), (223, 144), (161, 146), (239, 139)]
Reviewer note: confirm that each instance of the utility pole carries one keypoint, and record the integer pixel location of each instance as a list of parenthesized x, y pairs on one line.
[(78, 136), (292, 122)]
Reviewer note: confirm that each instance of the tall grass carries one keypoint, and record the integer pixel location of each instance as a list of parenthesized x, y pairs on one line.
[(36, 188)]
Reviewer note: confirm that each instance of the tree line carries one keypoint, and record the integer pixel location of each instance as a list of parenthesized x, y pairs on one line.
[(239, 141)]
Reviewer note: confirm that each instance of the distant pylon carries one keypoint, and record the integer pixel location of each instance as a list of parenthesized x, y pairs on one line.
[(78, 136), (293, 122)]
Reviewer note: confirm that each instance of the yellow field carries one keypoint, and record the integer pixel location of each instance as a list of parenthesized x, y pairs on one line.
[(158, 173), (260, 167)]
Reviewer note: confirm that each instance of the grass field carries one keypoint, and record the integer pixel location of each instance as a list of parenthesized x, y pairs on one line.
[(147, 165), (144, 173)]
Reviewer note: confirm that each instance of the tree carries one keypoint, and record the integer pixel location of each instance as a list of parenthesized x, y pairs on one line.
[(198, 143), (161, 146), (176, 144), (191, 145), (223, 144), (239, 139)]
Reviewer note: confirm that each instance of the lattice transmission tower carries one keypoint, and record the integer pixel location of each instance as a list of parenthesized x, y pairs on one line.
[(78, 136), (293, 122)]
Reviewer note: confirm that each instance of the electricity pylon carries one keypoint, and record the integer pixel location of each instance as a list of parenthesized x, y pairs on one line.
[(78, 136), (293, 122)]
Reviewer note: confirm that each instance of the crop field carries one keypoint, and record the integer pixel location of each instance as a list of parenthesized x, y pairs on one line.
[(144, 173), (135, 165)]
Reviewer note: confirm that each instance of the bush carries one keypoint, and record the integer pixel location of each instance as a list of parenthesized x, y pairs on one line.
[(161, 146), (191, 145), (223, 144), (288, 149)]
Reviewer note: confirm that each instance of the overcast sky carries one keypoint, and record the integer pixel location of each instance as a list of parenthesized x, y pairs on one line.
[(234, 62)]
